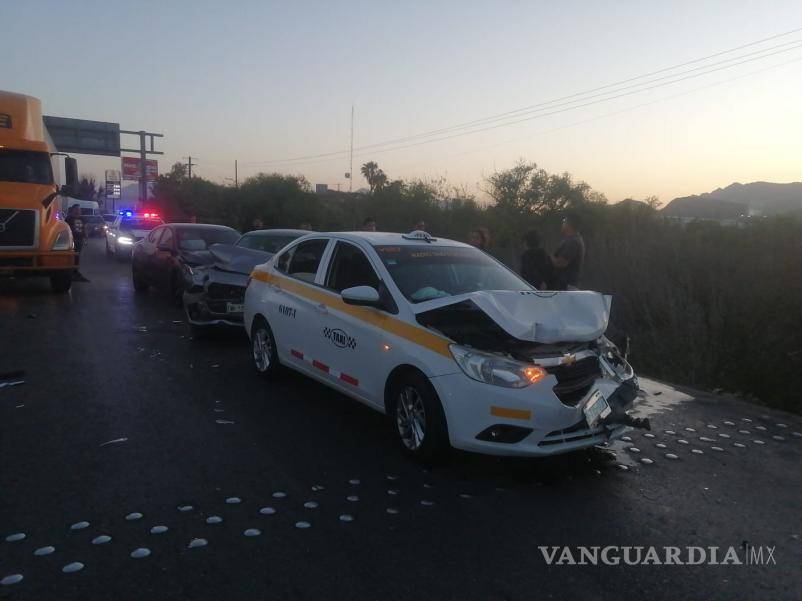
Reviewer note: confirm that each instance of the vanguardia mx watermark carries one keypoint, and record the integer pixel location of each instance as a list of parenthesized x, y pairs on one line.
[(676, 556)]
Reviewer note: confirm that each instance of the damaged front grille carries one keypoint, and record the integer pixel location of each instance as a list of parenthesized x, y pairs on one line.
[(226, 292), (579, 431), (575, 380)]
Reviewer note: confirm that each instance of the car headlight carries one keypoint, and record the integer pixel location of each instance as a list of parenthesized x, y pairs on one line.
[(492, 369), (125, 240), (63, 241), (612, 360)]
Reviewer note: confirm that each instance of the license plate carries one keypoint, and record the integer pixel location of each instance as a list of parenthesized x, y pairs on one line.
[(596, 408), (235, 307)]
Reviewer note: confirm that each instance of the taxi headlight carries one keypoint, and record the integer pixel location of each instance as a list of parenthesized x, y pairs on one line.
[(125, 240), (63, 241), (492, 369)]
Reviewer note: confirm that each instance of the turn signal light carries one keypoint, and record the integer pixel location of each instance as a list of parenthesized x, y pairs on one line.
[(535, 374)]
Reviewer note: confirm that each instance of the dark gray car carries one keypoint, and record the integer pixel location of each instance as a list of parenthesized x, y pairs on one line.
[(215, 293)]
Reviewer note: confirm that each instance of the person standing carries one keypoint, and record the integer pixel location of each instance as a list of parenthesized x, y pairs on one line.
[(78, 236), (480, 238), (536, 267), (369, 224), (570, 255)]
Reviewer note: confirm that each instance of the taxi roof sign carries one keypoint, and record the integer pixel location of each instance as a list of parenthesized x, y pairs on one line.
[(419, 235)]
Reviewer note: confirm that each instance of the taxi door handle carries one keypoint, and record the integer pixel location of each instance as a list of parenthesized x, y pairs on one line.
[(321, 308)]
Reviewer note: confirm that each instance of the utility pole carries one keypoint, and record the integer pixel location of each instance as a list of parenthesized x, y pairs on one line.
[(351, 159), (236, 181), (189, 166), (143, 158)]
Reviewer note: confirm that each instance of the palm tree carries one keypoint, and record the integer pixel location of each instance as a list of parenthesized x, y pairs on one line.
[(375, 176)]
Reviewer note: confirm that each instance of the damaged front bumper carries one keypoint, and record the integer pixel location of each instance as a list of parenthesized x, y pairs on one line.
[(530, 421), (215, 297)]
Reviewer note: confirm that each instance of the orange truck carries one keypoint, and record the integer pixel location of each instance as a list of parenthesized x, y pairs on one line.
[(34, 239)]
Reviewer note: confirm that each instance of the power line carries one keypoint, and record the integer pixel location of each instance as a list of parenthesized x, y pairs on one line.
[(372, 149), (627, 109), (576, 96)]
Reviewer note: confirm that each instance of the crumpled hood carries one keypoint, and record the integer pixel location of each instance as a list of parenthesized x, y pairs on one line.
[(534, 316), (197, 257), (237, 258)]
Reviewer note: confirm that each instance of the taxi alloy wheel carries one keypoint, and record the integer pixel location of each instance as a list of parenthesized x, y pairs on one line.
[(417, 417), (263, 350), (410, 418)]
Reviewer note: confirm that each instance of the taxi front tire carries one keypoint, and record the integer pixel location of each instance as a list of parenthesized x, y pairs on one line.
[(264, 353), (417, 417)]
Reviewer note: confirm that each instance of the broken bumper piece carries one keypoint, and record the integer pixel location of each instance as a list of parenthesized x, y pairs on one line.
[(531, 421)]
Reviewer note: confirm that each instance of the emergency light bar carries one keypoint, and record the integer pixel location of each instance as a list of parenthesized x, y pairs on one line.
[(144, 215)]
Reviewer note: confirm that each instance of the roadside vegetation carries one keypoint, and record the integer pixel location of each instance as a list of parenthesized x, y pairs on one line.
[(705, 305)]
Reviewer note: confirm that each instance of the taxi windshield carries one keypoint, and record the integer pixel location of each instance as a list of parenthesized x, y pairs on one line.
[(425, 272)]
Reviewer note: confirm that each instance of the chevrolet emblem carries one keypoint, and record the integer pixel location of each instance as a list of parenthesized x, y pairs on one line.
[(569, 360)]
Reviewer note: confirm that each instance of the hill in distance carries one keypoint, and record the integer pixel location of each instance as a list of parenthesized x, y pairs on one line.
[(757, 198)]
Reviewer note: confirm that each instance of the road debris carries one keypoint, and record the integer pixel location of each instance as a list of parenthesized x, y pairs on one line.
[(115, 441)]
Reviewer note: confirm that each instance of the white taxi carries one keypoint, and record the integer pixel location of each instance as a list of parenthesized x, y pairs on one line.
[(454, 347)]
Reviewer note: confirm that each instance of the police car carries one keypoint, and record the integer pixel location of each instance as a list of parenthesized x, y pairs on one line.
[(127, 229), (454, 347)]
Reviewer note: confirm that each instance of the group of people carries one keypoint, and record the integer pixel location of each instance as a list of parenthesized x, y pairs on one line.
[(558, 271)]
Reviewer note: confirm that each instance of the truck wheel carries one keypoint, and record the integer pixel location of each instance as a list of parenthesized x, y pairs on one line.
[(417, 417), (61, 281), (263, 350)]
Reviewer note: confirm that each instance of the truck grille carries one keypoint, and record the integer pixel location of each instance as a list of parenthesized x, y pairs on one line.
[(17, 228), (574, 381)]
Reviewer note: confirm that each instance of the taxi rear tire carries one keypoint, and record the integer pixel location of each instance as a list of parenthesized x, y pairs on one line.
[(417, 417), (264, 353)]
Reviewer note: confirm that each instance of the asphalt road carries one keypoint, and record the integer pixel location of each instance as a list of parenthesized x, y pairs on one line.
[(121, 412)]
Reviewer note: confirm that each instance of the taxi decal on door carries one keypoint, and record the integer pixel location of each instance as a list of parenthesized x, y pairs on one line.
[(348, 379)]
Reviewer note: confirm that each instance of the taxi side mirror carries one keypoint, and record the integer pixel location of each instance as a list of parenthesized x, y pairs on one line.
[(365, 296)]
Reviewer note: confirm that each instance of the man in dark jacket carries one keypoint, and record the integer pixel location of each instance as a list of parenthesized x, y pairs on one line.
[(570, 255), (536, 267), (78, 236)]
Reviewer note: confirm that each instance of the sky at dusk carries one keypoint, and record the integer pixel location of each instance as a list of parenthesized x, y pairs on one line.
[(262, 82)]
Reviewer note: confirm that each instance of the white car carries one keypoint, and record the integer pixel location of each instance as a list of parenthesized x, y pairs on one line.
[(128, 229), (454, 347)]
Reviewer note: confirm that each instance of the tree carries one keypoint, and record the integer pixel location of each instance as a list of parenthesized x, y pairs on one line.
[(375, 176), (527, 189), (87, 188)]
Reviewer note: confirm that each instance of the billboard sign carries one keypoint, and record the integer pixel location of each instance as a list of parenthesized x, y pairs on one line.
[(113, 187), (84, 137), (131, 169)]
